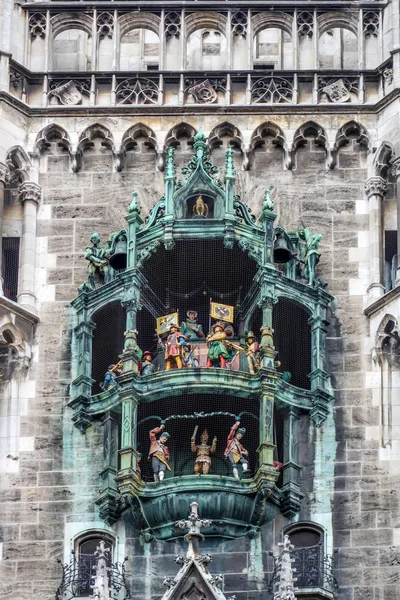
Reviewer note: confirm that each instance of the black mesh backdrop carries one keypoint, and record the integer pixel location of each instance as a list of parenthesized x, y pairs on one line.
[(181, 430), (108, 340), (390, 245), (292, 338), (10, 264)]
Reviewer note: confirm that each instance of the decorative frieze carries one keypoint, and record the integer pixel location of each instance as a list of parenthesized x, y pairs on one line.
[(338, 91), (172, 24), (272, 90), (239, 23), (205, 92), (371, 23), (105, 25), (305, 24), (70, 93), (137, 91), (37, 26)]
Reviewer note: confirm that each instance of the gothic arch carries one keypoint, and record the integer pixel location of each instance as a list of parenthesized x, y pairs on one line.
[(51, 133), (278, 139), (65, 21), (352, 128), (19, 162), (310, 129), (138, 20), (138, 130), (96, 131), (206, 20), (272, 20), (383, 157), (181, 129), (334, 20), (225, 129)]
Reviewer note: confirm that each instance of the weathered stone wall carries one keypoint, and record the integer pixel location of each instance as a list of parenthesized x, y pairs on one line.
[(49, 498)]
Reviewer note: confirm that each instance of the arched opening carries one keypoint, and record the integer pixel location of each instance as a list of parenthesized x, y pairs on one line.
[(140, 50), (338, 49), (181, 423), (308, 555), (206, 50), (85, 553), (108, 340), (72, 51), (273, 48)]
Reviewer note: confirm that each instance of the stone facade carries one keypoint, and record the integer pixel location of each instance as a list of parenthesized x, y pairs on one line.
[(79, 132)]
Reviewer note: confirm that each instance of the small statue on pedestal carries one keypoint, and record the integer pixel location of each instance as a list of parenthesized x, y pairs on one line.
[(218, 353), (159, 453), (190, 329), (203, 450), (98, 261), (310, 253), (252, 353), (147, 367), (234, 450), (200, 209), (173, 348), (112, 372)]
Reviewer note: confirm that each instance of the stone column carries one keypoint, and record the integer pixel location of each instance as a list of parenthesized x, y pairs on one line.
[(375, 188), (4, 178), (29, 195), (396, 173), (291, 494), (267, 446)]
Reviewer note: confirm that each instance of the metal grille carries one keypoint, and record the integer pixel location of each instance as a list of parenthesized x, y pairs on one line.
[(390, 245), (10, 266), (86, 570), (308, 566)]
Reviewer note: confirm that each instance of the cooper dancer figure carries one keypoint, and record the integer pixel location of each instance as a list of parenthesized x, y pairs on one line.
[(203, 459), (159, 453), (234, 450)]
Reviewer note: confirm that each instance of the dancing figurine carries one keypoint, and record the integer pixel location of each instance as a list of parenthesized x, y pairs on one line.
[(173, 348), (159, 453), (203, 450), (98, 262), (234, 450), (218, 353), (147, 367), (109, 379), (252, 353)]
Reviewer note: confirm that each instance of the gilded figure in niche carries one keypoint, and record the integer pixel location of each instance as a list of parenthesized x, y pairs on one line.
[(203, 451), (98, 261), (200, 209), (252, 353), (159, 453), (234, 451)]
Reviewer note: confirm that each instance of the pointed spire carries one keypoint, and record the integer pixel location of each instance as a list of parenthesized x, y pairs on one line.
[(283, 575), (268, 204), (134, 207), (200, 145), (170, 165), (230, 172), (194, 536)]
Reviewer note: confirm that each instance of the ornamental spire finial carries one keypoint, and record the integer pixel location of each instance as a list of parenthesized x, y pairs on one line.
[(194, 536)]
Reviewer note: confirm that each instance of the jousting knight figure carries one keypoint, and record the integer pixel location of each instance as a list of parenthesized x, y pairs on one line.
[(234, 450), (159, 453), (218, 353), (203, 450)]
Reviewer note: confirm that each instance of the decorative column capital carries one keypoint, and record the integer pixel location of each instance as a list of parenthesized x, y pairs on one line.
[(375, 186), (30, 191), (4, 174)]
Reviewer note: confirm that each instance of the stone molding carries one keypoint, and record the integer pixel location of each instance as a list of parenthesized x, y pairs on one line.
[(30, 191), (375, 186), (4, 174)]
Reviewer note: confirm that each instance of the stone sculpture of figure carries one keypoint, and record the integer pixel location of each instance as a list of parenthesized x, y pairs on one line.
[(252, 353), (190, 329), (200, 208), (159, 453), (173, 348), (311, 254), (109, 379), (218, 353), (98, 261), (147, 367), (234, 450), (203, 451)]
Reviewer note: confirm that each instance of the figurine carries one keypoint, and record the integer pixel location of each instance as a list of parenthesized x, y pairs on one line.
[(200, 209), (98, 261), (173, 348), (311, 254), (147, 367), (252, 353), (203, 460), (217, 348), (112, 372), (189, 359), (234, 450), (159, 453), (190, 328)]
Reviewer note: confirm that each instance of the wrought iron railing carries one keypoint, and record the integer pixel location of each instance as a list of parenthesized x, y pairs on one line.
[(312, 568), (78, 578)]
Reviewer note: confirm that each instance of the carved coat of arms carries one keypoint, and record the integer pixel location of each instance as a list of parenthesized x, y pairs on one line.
[(68, 93), (337, 91), (204, 93)]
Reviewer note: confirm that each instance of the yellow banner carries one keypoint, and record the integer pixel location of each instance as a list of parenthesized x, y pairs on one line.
[(164, 323), (222, 312)]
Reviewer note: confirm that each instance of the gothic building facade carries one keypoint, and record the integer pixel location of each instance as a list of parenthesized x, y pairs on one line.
[(232, 170)]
